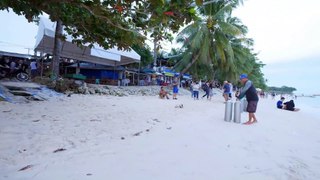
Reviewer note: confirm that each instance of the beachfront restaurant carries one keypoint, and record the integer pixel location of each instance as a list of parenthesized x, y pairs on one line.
[(102, 74), (89, 61)]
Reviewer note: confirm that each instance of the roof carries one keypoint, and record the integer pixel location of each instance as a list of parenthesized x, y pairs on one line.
[(97, 66), (97, 55), (18, 55)]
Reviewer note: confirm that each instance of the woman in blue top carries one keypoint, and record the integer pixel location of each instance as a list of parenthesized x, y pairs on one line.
[(175, 86)]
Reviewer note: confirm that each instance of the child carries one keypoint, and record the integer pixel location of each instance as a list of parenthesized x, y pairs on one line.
[(163, 93), (280, 103)]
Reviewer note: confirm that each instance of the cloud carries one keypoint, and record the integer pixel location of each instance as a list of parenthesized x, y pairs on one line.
[(16, 34), (282, 30), (301, 74)]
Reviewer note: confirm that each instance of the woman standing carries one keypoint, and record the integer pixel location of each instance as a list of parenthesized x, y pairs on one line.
[(175, 86)]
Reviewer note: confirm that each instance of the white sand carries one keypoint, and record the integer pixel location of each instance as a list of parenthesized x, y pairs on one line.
[(141, 137)]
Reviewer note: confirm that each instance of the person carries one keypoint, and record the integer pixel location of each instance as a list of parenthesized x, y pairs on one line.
[(13, 68), (205, 88), (250, 92), (290, 106), (5, 67), (163, 94), (191, 88), (34, 69), (210, 91), (280, 103), (196, 88), (126, 81), (22, 66), (226, 90), (175, 89), (230, 89)]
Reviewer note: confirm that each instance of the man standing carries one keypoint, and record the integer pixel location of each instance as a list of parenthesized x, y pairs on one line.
[(251, 95)]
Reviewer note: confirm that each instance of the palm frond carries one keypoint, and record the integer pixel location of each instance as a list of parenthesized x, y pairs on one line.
[(230, 29)]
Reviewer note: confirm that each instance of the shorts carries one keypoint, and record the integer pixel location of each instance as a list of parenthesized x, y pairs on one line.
[(175, 90), (252, 106)]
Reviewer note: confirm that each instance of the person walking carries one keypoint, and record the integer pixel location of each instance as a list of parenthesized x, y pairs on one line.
[(210, 91), (205, 88), (250, 92)]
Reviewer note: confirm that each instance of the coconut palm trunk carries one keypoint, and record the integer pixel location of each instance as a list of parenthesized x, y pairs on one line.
[(57, 51), (188, 66)]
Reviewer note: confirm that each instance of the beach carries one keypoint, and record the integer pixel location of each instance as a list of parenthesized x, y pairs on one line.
[(143, 137)]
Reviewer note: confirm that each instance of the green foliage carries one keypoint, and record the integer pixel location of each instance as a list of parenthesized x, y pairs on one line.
[(215, 46), (145, 53), (109, 23), (283, 89), (208, 39)]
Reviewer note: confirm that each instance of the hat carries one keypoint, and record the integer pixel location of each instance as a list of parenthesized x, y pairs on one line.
[(282, 98), (242, 76)]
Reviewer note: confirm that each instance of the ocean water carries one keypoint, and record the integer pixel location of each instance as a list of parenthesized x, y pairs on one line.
[(309, 101), (311, 105)]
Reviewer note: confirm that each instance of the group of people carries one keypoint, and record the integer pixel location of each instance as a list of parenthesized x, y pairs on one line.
[(195, 88), (247, 91), (289, 105), (10, 67), (175, 88)]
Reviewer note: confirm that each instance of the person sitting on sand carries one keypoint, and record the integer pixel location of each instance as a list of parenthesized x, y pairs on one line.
[(290, 106), (163, 93), (280, 103)]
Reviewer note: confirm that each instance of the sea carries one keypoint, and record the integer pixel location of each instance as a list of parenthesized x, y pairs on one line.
[(310, 105)]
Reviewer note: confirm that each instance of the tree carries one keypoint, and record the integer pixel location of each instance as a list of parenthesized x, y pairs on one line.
[(215, 46), (145, 53), (109, 23), (206, 41), (283, 89)]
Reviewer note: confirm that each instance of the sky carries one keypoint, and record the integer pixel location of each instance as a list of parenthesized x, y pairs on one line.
[(286, 35), (16, 34)]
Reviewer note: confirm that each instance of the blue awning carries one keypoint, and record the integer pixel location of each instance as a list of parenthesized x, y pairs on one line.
[(148, 71)]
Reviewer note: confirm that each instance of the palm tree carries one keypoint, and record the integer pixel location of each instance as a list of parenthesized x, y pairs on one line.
[(241, 48), (207, 40)]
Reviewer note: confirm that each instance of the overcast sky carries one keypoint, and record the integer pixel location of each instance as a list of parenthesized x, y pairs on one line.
[(286, 35)]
